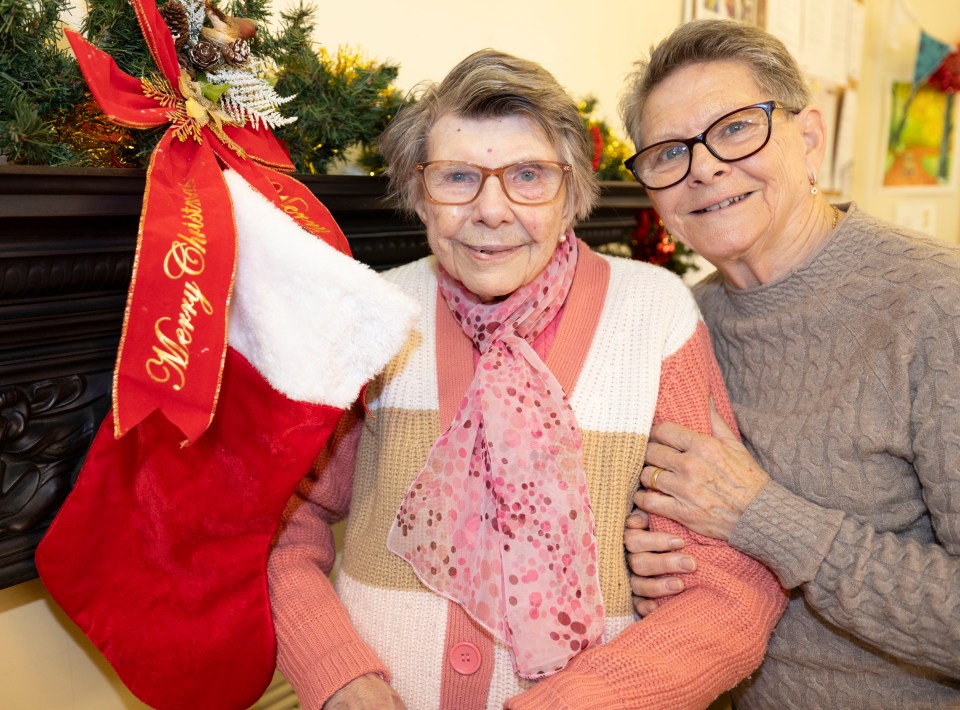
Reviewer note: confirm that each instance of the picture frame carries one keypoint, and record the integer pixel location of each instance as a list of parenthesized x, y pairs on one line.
[(749, 12), (921, 150)]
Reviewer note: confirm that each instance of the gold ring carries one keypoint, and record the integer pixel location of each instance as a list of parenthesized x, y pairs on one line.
[(653, 479)]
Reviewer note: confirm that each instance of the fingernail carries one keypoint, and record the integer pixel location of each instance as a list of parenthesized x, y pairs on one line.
[(674, 585), (687, 564), (676, 542)]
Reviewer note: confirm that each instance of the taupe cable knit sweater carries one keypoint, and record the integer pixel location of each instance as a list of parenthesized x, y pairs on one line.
[(845, 379)]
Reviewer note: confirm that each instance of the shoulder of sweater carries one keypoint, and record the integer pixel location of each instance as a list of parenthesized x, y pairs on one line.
[(885, 240), (872, 259), (655, 303), (416, 277), (414, 269), (643, 271), (908, 275), (649, 281), (878, 242)]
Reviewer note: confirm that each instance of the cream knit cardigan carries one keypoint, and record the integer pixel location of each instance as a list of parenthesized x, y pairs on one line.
[(630, 349)]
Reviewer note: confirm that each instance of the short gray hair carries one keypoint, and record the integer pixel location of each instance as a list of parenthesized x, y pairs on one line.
[(774, 68), (491, 84)]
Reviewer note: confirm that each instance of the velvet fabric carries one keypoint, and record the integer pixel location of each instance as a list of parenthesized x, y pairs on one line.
[(160, 557)]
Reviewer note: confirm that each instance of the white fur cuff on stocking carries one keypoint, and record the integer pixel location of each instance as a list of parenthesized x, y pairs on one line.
[(314, 322)]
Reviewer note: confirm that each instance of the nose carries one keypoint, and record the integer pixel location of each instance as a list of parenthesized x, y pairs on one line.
[(492, 207), (705, 166)]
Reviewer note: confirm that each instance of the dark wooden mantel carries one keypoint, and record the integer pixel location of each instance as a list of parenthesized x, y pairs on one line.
[(67, 239)]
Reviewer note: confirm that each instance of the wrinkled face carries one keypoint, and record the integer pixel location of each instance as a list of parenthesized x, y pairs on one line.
[(492, 245), (728, 211)]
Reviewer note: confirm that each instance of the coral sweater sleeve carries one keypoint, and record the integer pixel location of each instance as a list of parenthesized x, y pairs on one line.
[(319, 651), (703, 641)]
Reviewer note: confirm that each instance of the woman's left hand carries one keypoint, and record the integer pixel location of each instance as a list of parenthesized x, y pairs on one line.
[(704, 483)]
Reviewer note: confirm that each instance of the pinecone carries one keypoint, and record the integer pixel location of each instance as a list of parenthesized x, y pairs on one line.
[(237, 53), (205, 55), (175, 15), (183, 59)]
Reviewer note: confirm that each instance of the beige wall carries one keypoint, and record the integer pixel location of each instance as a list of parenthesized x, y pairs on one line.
[(44, 661), (588, 46)]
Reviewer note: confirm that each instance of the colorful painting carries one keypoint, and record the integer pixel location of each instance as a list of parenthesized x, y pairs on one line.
[(921, 139)]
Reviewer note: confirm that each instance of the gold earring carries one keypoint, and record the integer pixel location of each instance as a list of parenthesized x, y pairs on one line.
[(813, 184)]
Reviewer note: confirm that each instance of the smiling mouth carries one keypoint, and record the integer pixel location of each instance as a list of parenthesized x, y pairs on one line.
[(721, 205), (492, 250)]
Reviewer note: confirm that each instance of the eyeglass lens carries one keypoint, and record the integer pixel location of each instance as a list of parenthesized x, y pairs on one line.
[(732, 137), (456, 183)]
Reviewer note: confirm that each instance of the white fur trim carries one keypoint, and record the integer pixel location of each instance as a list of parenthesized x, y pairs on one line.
[(314, 322)]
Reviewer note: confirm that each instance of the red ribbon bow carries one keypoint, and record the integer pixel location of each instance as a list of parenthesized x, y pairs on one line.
[(173, 343)]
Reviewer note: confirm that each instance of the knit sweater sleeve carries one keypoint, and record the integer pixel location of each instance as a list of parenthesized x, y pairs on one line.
[(891, 592), (318, 650), (702, 641)]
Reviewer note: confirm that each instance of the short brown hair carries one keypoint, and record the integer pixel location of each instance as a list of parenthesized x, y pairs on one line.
[(491, 84), (774, 68)]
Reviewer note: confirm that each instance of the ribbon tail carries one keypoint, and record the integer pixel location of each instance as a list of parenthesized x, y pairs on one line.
[(173, 342), (262, 146), (119, 95), (290, 197), (158, 38)]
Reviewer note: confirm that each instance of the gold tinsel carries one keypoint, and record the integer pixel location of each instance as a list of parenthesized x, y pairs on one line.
[(88, 132)]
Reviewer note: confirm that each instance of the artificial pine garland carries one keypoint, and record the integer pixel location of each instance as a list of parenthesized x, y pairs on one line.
[(342, 100), (47, 118), (39, 83)]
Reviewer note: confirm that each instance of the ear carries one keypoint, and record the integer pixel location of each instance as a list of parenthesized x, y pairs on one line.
[(421, 208), (569, 218), (814, 135)]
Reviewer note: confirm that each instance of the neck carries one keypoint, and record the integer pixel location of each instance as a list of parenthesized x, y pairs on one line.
[(774, 258)]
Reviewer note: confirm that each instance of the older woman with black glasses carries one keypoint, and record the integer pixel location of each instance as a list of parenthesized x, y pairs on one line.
[(839, 338), (483, 562)]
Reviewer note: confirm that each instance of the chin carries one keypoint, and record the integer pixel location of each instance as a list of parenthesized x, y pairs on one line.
[(489, 292)]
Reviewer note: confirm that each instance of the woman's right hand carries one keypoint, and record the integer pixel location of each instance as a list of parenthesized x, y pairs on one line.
[(651, 555), (368, 692)]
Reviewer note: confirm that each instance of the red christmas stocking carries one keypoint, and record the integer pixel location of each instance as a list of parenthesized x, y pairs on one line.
[(159, 553)]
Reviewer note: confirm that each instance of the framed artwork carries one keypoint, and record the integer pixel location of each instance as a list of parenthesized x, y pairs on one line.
[(750, 12), (921, 147)]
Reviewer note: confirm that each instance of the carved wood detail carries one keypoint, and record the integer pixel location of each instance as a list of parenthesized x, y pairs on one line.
[(46, 428)]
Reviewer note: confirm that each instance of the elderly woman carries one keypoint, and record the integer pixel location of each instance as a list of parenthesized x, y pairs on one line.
[(483, 562), (839, 337)]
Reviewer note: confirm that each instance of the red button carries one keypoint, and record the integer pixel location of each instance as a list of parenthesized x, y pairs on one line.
[(465, 658)]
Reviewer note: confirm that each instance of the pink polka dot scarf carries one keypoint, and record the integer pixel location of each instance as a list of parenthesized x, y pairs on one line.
[(499, 519)]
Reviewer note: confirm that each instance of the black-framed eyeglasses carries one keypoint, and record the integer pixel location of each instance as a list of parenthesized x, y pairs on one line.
[(533, 182), (734, 136)]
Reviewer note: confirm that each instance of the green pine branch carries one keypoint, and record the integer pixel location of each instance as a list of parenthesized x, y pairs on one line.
[(39, 82), (342, 100)]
